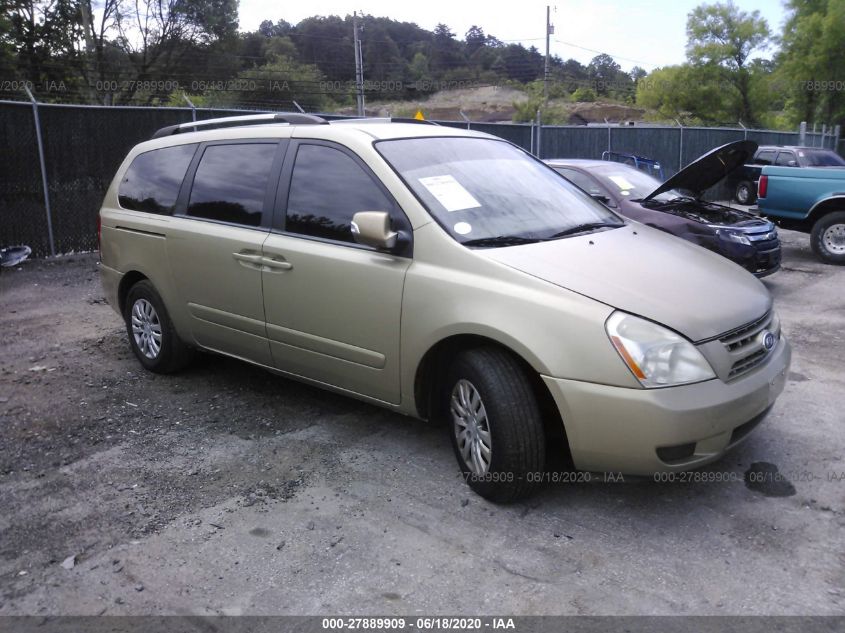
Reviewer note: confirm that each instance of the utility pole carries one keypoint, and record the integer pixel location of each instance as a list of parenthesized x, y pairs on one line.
[(359, 66), (549, 30)]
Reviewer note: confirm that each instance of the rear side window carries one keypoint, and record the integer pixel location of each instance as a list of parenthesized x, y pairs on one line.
[(765, 158), (231, 183), (327, 188), (785, 159), (153, 179)]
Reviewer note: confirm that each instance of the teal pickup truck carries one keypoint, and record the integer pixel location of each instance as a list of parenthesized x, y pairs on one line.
[(810, 200)]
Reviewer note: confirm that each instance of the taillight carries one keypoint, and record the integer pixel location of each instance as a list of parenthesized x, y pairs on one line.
[(762, 186)]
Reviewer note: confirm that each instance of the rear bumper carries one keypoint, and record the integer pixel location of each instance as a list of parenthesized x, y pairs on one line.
[(110, 279), (643, 431)]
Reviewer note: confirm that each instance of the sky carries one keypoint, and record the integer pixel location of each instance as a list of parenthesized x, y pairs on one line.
[(646, 33)]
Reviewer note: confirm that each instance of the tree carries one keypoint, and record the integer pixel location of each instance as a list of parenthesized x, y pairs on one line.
[(281, 82), (722, 35), (685, 92), (637, 73), (475, 39), (157, 34), (39, 31), (445, 50), (812, 60), (586, 95), (607, 77), (279, 29)]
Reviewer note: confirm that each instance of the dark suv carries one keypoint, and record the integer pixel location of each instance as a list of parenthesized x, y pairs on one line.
[(743, 180), (676, 206)]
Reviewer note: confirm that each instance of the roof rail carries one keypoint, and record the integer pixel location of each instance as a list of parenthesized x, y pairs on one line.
[(403, 119), (383, 119), (293, 118)]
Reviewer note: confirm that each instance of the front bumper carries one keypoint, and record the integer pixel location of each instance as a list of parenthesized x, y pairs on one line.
[(760, 258), (617, 429)]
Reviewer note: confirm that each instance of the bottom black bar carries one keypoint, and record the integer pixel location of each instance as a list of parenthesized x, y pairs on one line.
[(416, 623)]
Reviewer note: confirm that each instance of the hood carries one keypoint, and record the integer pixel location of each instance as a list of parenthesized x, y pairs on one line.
[(648, 273), (709, 169)]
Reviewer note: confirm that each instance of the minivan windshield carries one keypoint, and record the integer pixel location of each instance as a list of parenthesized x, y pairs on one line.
[(488, 193)]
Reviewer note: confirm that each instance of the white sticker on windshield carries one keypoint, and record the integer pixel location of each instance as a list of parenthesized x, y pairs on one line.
[(622, 182), (450, 193), (463, 228)]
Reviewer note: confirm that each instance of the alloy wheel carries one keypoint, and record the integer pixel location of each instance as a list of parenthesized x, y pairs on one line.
[(146, 328), (471, 427)]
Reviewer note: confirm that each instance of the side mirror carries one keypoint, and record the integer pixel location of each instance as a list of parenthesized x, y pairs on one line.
[(793, 163), (372, 228)]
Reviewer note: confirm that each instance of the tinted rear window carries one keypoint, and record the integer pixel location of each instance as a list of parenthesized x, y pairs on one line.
[(153, 179), (231, 183)]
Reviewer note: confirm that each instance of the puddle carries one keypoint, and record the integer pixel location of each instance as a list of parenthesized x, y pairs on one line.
[(765, 478)]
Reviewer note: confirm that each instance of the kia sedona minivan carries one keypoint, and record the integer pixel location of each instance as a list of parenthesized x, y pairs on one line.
[(446, 275)]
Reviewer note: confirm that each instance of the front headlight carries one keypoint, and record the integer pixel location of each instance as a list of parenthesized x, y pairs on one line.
[(732, 236), (657, 356)]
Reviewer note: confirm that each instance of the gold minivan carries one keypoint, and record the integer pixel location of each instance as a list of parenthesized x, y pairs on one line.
[(444, 274)]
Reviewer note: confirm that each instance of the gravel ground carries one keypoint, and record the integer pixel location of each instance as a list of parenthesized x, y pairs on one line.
[(226, 490)]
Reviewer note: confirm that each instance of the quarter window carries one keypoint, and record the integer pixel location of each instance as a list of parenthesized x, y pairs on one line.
[(327, 188), (154, 178), (231, 183)]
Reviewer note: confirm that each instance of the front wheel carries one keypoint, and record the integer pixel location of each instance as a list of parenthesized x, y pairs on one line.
[(495, 424), (744, 193), (151, 334), (828, 238)]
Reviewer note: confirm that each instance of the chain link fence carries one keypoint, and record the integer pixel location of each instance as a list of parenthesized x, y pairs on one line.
[(83, 146)]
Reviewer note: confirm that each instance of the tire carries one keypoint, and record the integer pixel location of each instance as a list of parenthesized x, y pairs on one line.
[(828, 238), (744, 193), (487, 388), (157, 346)]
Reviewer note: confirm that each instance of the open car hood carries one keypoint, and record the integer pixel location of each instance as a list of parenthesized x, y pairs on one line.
[(709, 169)]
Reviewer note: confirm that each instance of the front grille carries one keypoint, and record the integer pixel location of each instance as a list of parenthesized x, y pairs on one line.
[(748, 363), (745, 346), (770, 237)]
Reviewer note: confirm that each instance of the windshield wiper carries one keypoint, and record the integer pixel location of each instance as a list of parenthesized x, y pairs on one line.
[(501, 240), (583, 228)]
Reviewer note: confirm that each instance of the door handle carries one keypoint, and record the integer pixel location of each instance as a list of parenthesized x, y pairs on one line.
[(248, 258), (276, 264)]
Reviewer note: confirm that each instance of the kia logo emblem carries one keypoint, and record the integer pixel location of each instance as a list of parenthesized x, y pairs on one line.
[(768, 340)]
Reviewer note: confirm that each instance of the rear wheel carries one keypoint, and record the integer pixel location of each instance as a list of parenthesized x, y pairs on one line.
[(151, 334), (744, 193), (828, 238), (495, 424)]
